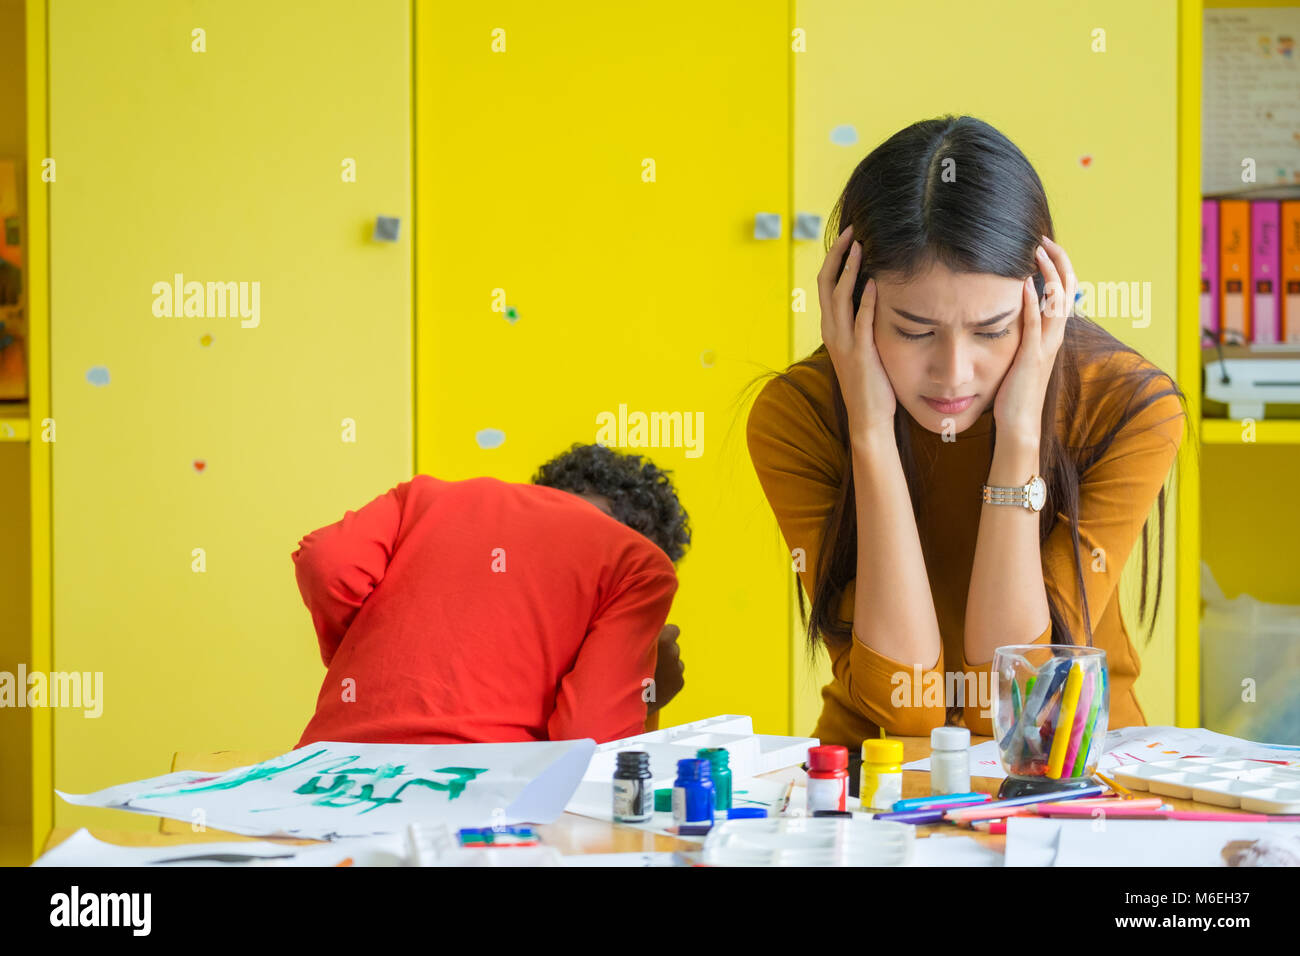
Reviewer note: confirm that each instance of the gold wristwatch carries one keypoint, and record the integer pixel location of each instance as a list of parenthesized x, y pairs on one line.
[(1031, 496)]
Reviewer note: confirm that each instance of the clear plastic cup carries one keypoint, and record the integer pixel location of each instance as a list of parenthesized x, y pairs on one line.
[(1051, 708)]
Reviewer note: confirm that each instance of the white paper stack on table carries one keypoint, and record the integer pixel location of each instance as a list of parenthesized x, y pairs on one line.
[(1137, 745)]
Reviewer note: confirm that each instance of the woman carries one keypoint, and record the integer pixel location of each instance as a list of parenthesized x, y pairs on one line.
[(944, 371)]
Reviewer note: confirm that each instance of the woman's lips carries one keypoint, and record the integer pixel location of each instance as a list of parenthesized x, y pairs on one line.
[(950, 408)]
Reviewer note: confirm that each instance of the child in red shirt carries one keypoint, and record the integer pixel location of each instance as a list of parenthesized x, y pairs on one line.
[(487, 611)]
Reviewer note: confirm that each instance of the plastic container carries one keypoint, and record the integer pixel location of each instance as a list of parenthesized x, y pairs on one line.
[(1250, 656), (1051, 706), (785, 841)]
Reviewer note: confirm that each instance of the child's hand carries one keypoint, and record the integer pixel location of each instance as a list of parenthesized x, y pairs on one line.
[(669, 670)]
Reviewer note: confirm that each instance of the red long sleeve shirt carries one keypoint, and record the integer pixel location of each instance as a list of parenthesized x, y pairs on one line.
[(482, 611)]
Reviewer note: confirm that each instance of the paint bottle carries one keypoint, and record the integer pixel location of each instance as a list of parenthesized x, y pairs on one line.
[(949, 760), (828, 778), (720, 772), (633, 791), (693, 796), (882, 774)]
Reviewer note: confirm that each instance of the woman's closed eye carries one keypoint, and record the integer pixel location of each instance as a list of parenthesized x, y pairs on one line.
[(985, 335)]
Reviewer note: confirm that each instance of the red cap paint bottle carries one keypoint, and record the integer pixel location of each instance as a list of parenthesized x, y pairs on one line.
[(828, 778)]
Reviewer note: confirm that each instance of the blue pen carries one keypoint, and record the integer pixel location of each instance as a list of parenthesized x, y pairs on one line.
[(925, 803)]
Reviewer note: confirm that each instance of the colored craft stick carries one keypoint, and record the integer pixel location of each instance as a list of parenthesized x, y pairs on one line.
[(1015, 699), (1029, 684), (1076, 731), (1065, 723)]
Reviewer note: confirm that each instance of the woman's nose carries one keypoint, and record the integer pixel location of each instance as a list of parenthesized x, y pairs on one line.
[(952, 365)]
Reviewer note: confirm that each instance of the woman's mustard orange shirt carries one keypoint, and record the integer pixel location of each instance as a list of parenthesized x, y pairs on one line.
[(799, 456)]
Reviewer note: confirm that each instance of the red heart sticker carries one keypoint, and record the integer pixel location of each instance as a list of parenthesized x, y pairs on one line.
[(199, 465)]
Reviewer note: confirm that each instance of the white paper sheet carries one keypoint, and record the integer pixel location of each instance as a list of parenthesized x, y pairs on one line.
[(936, 850), (1129, 745), (1162, 842), (83, 850), (330, 790), (1032, 841)]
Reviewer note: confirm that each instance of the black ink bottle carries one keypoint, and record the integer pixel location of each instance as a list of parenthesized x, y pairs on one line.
[(633, 793)]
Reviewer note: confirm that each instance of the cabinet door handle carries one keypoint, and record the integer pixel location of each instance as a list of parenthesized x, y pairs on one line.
[(387, 228), (807, 225), (767, 225)]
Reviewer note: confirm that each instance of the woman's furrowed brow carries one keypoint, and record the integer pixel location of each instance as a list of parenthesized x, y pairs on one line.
[(975, 325)]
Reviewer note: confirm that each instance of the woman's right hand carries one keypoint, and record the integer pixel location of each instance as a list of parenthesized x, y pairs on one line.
[(869, 397)]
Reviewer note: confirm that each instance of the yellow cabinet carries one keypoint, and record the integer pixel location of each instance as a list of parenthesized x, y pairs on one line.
[(586, 196), (239, 155)]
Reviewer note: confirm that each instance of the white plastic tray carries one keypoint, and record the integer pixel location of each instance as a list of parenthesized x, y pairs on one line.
[(748, 754), (810, 841), (1252, 785)]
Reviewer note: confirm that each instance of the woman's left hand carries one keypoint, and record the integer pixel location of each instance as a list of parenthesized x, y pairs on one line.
[(1018, 408)]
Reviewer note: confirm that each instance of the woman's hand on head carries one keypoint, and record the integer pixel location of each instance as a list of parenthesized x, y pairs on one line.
[(869, 397), (1018, 408)]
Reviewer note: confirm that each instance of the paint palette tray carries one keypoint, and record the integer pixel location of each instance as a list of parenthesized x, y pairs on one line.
[(786, 841), (1253, 785)]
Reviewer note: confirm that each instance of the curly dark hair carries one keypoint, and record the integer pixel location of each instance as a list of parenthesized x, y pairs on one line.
[(640, 494)]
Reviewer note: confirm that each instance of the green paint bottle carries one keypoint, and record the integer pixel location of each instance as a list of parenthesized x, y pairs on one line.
[(719, 766)]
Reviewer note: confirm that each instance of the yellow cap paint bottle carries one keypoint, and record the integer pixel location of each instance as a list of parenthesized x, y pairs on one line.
[(882, 774)]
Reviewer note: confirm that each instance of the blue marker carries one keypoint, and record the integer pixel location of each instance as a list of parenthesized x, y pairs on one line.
[(923, 803)]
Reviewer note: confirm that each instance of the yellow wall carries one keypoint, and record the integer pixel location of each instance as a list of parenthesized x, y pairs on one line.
[(529, 179), (1029, 72), (224, 166)]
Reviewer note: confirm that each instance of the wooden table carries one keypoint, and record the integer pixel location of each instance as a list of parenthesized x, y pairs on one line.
[(570, 834)]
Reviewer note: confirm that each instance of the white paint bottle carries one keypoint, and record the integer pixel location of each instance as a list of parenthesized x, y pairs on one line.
[(949, 760)]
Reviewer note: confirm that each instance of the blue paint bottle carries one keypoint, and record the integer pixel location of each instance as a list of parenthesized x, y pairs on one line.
[(693, 795)]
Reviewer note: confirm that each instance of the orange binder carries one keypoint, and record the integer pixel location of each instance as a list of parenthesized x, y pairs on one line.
[(1234, 271)]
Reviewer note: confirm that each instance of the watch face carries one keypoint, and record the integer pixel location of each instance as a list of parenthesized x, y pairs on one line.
[(1037, 493)]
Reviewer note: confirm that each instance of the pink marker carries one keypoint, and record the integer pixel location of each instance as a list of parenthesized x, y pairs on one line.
[(1076, 732)]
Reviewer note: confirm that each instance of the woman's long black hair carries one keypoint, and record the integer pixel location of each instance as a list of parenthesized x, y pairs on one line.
[(955, 190)]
